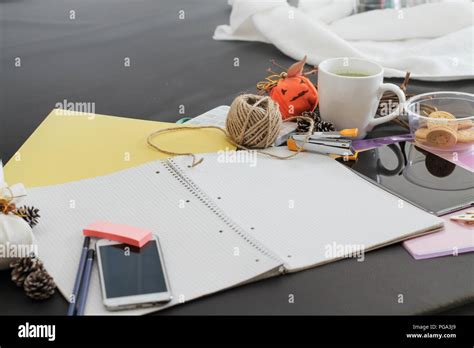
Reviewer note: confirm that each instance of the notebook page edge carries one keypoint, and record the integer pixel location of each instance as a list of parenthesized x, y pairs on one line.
[(371, 248)]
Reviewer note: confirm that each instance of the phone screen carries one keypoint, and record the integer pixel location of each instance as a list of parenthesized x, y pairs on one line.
[(129, 271)]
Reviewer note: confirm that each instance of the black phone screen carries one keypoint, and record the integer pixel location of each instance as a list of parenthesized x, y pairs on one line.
[(129, 271)]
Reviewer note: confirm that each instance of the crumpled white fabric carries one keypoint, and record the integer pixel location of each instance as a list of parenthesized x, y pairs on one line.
[(434, 41)]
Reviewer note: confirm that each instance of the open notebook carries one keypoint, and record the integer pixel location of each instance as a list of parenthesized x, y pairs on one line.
[(224, 223)]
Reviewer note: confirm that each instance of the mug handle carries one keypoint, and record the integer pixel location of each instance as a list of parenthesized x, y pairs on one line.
[(401, 101)]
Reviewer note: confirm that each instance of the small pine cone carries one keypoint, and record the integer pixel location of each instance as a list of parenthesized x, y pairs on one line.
[(315, 115), (303, 125), (39, 285), (22, 267), (29, 214), (324, 126)]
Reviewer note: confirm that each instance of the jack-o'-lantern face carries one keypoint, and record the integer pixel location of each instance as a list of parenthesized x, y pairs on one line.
[(292, 90), (295, 95)]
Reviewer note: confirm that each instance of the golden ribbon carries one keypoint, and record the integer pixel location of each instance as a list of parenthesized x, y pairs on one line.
[(6, 206), (270, 82), (6, 203)]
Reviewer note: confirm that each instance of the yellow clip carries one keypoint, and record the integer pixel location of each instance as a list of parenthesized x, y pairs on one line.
[(291, 143), (350, 132)]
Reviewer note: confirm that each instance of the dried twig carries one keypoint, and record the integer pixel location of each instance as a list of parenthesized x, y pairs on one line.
[(311, 72), (273, 61), (272, 72)]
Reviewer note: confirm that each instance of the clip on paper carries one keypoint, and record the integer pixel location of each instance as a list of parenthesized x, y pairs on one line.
[(120, 233)]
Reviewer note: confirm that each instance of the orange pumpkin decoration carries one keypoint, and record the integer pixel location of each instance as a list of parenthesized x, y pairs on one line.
[(293, 91)]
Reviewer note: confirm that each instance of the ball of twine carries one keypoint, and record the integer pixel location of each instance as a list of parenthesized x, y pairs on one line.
[(253, 121)]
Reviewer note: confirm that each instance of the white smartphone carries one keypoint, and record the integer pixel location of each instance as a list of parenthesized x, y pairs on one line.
[(132, 277)]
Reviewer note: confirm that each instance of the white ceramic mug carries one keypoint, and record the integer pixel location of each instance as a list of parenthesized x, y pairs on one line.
[(352, 101)]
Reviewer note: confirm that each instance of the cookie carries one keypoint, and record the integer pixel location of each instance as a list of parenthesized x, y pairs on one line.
[(466, 124), (442, 114), (420, 133), (441, 119), (441, 137), (466, 136)]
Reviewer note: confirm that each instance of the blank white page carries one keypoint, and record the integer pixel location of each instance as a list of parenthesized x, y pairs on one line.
[(202, 254), (308, 207)]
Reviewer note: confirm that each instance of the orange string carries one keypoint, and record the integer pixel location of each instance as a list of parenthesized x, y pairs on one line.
[(270, 82)]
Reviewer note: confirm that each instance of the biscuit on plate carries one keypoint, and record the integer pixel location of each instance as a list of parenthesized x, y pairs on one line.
[(441, 137), (441, 119), (420, 133), (466, 124), (466, 136)]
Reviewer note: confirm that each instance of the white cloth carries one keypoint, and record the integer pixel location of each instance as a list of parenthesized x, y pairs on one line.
[(433, 41), (18, 190)]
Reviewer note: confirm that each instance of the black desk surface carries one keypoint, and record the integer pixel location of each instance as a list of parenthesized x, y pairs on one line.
[(175, 62)]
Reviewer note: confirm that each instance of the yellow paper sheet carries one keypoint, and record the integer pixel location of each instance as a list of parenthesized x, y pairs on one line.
[(68, 147)]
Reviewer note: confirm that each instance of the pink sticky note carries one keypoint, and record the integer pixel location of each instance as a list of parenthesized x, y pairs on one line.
[(121, 233), (456, 238)]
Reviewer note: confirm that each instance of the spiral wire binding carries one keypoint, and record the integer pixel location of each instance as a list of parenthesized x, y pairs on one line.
[(175, 170)]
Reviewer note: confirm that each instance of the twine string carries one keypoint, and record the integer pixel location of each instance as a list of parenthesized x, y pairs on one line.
[(270, 82), (196, 161)]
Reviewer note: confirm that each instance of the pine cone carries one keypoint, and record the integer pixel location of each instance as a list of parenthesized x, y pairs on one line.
[(303, 125), (22, 267), (319, 124), (29, 214), (39, 285), (324, 126)]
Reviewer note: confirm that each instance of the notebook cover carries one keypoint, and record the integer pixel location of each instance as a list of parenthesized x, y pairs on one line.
[(69, 146)]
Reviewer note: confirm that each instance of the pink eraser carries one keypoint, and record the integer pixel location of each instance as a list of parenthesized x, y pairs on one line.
[(121, 233)]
